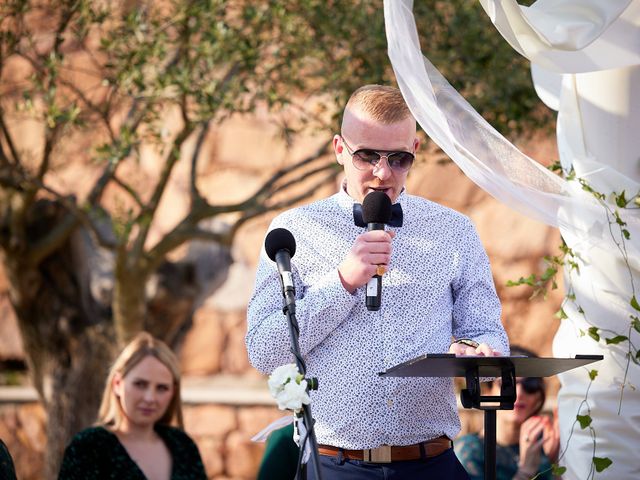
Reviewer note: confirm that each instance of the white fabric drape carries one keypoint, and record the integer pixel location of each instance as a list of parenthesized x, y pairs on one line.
[(585, 55), (571, 36)]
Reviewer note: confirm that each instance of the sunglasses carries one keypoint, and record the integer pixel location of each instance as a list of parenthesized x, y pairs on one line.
[(367, 159), (529, 384)]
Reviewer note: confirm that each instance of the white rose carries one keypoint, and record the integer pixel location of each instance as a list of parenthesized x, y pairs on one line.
[(280, 376), (293, 396), (288, 387)]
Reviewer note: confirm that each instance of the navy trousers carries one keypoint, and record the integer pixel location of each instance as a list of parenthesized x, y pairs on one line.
[(444, 466)]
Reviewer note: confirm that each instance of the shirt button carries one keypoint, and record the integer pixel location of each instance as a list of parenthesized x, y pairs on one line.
[(390, 403)]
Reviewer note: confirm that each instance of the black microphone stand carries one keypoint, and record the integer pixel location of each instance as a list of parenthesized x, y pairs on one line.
[(289, 309)]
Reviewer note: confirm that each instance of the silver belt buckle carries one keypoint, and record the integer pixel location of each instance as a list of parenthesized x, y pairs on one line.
[(382, 454)]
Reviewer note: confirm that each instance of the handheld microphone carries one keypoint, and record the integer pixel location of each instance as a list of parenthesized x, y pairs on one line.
[(280, 247), (376, 213)]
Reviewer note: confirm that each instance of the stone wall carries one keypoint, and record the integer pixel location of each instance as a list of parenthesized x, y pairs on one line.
[(222, 433), (22, 429)]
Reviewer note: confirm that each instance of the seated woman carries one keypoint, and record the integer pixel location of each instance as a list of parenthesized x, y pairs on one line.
[(527, 442), (139, 433)]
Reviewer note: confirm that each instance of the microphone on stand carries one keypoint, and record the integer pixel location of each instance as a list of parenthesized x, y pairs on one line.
[(376, 213), (280, 247)]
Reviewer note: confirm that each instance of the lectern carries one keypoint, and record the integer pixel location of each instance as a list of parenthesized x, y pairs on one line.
[(474, 368)]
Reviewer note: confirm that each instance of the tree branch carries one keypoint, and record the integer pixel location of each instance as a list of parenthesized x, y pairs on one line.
[(81, 215), (132, 122), (51, 131), (130, 190), (264, 192), (64, 21), (8, 139), (195, 194), (145, 218), (135, 115), (103, 114), (50, 139), (301, 178), (263, 208), (267, 187), (4, 160), (254, 206), (201, 234), (183, 232), (54, 239)]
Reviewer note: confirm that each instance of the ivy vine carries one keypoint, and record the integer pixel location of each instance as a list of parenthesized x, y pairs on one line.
[(569, 261)]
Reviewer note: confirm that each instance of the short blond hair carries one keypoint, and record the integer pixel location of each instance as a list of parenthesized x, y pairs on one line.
[(381, 103), (143, 345)]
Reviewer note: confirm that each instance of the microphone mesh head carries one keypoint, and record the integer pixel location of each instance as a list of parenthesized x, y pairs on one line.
[(279, 239), (376, 208)]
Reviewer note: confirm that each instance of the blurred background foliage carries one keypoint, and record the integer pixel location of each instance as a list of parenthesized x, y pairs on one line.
[(222, 57)]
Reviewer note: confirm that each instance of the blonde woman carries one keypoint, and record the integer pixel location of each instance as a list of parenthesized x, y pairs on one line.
[(138, 435)]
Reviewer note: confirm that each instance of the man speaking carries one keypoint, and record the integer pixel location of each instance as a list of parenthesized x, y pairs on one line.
[(436, 295)]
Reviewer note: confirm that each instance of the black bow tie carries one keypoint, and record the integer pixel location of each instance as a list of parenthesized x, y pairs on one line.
[(396, 215)]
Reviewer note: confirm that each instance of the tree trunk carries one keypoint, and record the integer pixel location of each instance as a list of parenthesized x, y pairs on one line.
[(64, 309), (129, 300), (68, 340), (77, 379)]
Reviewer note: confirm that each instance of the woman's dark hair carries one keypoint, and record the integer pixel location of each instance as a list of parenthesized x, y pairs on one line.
[(530, 385)]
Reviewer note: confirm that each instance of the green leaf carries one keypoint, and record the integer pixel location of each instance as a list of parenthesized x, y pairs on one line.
[(635, 323), (593, 333), (555, 167), (584, 420), (621, 201), (573, 266), (615, 340), (530, 280), (634, 303), (593, 374), (549, 273), (561, 314), (602, 463), (626, 233), (557, 470)]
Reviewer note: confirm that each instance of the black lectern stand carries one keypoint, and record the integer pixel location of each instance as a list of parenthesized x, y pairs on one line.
[(472, 369)]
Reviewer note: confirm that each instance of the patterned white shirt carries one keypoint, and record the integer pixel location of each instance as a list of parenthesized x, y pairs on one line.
[(438, 286)]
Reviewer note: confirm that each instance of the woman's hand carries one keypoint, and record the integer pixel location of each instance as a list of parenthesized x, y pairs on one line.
[(531, 440), (551, 437)]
